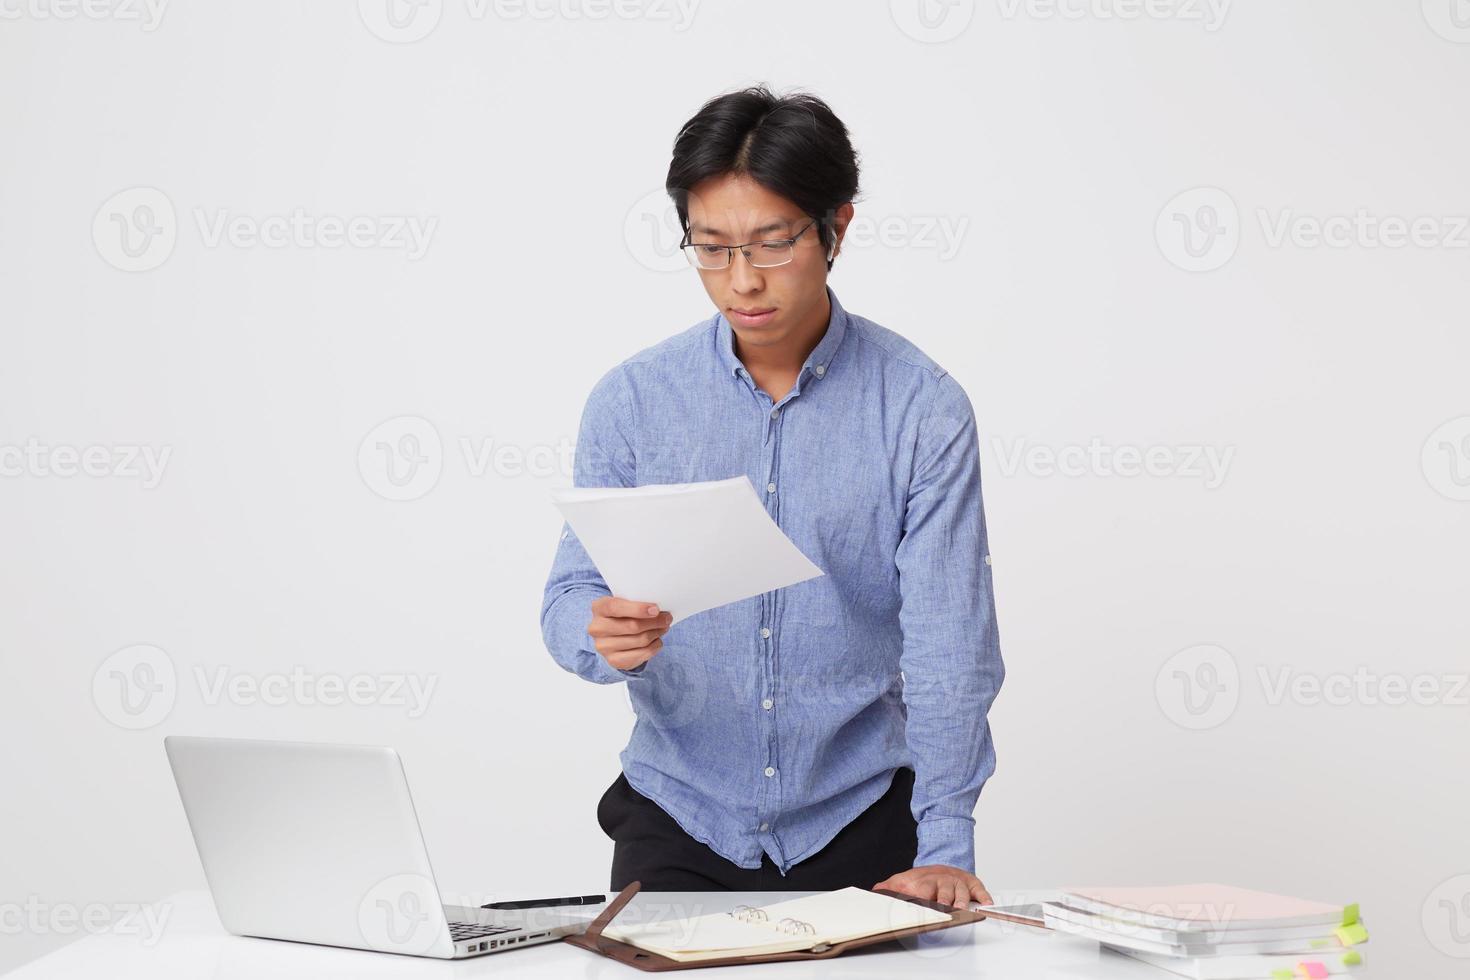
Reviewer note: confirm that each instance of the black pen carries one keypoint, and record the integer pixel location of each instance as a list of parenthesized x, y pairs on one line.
[(536, 903)]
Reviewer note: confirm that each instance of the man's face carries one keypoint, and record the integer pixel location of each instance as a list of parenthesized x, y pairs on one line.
[(764, 306)]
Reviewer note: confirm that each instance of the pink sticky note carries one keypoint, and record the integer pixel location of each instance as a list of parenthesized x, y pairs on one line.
[(1312, 970)]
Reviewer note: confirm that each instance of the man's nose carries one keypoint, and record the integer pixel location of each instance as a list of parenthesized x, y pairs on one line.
[(744, 277)]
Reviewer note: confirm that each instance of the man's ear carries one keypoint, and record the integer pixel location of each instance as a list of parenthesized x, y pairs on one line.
[(840, 220)]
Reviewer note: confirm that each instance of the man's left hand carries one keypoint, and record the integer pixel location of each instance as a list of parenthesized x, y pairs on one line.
[(939, 883)]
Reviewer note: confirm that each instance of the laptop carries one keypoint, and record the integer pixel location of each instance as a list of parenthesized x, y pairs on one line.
[(321, 844)]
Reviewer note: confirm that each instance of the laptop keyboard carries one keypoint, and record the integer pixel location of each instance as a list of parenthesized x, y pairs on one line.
[(473, 930)]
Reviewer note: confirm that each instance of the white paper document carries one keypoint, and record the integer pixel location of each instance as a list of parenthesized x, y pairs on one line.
[(686, 546)]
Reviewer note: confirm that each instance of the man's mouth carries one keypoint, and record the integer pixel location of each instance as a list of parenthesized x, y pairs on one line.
[(754, 316)]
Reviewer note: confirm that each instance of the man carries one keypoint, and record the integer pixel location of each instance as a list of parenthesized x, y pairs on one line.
[(834, 732)]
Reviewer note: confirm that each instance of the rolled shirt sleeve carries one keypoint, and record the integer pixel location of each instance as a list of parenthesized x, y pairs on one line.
[(951, 658), (604, 458)]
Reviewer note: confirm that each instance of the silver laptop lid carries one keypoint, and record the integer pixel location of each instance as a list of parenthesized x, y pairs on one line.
[(313, 843)]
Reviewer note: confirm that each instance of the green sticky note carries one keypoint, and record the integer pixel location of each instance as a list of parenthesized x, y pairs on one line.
[(1319, 943), (1282, 974), (1352, 958), (1350, 915), (1352, 935)]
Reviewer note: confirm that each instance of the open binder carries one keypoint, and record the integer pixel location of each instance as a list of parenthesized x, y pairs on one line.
[(642, 959)]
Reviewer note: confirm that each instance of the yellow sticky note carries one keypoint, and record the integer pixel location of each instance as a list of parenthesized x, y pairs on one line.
[(1282, 974), (1350, 915), (1352, 958), (1353, 934)]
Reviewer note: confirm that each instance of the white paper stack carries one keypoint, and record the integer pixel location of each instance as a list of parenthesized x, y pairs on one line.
[(1216, 932), (687, 547)]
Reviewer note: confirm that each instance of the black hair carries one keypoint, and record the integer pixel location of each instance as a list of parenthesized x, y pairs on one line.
[(792, 145)]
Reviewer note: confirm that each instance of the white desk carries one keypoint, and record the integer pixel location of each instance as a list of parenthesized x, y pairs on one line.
[(193, 946)]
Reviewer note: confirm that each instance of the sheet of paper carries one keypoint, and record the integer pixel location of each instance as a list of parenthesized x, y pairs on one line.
[(686, 546)]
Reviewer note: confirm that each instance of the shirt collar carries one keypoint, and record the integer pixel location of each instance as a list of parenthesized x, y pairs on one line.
[(816, 362)]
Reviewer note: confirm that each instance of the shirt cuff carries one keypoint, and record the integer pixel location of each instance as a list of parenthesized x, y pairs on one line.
[(606, 673), (947, 840), (566, 635)]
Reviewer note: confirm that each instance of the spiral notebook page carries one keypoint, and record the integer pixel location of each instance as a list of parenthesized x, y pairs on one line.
[(707, 937), (851, 913), (801, 923)]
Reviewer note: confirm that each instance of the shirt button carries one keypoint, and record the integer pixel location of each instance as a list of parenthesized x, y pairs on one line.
[(770, 488), (770, 771), (820, 370), (775, 413), (765, 827), (765, 633), (768, 704)]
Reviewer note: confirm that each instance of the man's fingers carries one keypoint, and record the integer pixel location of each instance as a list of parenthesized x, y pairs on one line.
[(628, 659), (611, 605), (618, 626), (626, 632), (919, 888), (624, 626), (947, 886), (630, 641)]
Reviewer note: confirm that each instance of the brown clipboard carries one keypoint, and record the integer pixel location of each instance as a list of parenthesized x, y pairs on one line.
[(642, 959)]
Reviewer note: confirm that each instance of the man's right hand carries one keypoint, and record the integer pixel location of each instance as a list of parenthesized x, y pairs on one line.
[(627, 633)]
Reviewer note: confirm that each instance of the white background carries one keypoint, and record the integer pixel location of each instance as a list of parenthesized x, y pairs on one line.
[(1053, 141)]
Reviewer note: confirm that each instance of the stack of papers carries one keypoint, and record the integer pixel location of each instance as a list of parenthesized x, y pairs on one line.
[(1216, 932), (687, 547)]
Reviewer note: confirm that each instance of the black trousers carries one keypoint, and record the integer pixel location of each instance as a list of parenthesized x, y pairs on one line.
[(649, 846)]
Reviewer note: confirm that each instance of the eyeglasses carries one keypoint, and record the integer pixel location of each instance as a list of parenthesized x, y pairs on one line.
[(766, 255)]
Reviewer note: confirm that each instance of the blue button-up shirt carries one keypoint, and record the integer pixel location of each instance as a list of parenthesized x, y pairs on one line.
[(769, 724)]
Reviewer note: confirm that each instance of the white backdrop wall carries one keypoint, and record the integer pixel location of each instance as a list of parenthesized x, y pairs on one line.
[(1200, 266)]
